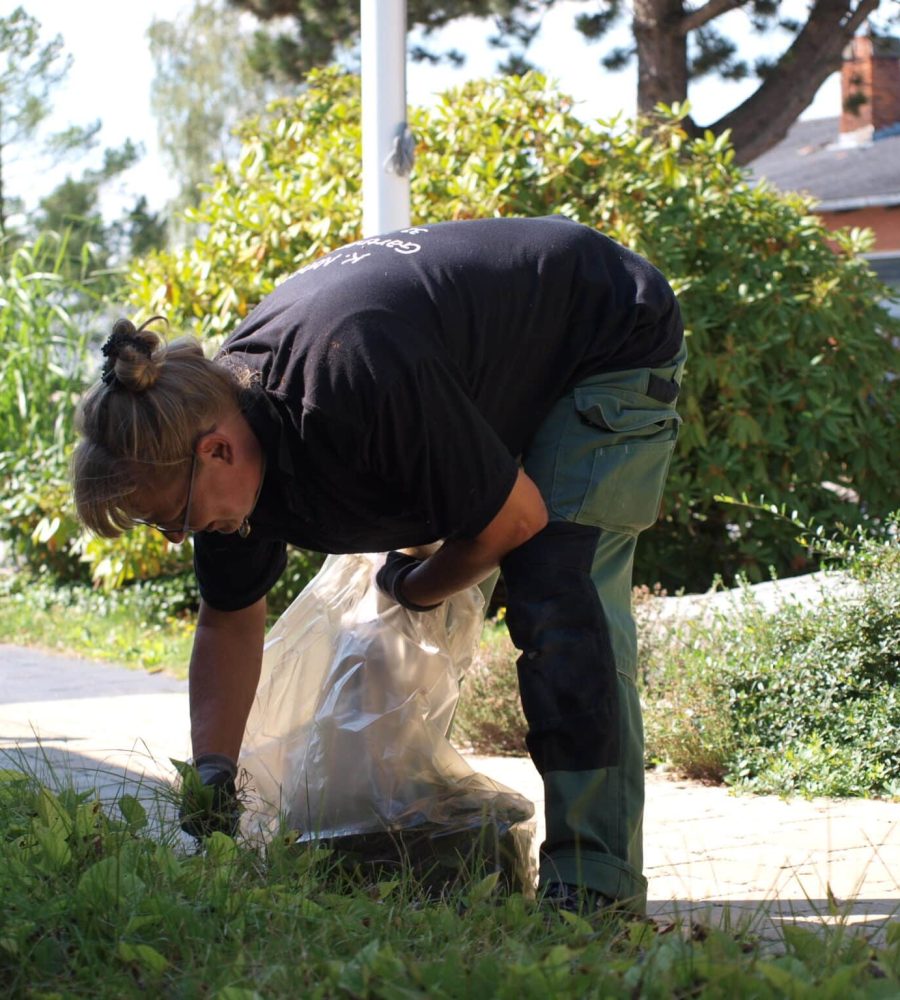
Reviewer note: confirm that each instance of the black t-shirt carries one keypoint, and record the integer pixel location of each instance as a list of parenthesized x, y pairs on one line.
[(397, 380)]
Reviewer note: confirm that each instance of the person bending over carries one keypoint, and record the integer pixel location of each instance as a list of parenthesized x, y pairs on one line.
[(505, 387)]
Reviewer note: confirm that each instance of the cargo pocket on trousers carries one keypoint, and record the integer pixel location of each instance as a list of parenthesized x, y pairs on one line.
[(614, 459)]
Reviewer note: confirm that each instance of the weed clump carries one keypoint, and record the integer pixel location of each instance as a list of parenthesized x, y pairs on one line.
[(803, 700), (100, 903), (489, 718)]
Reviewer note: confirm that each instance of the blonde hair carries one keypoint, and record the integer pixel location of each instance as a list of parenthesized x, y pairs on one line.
[(141, 419)]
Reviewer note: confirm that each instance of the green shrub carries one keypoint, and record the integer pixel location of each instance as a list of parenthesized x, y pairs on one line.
[(50, 325), (816, 706), (301, 567), (37, 519), (805, 700), (785, 391)]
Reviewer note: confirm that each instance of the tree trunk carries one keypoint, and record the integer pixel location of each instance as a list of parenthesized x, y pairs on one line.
[(662, 53)]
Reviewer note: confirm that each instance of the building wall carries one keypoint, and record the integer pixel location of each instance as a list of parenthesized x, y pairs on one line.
[(885, 223)]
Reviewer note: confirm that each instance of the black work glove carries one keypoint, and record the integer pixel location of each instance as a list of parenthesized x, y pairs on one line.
[(389, 580), (209, 801)]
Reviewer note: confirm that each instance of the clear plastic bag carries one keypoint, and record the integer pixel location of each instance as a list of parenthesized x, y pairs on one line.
[(347, 741)]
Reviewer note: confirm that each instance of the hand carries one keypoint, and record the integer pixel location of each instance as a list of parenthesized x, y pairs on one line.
[(389, 579), (209, 801)]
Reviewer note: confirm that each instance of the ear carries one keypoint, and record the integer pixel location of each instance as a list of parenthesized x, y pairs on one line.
[(216, 446)]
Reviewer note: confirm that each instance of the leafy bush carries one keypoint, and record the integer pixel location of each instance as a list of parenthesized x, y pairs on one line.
[(805, 700), (36, 514), (786, 392)]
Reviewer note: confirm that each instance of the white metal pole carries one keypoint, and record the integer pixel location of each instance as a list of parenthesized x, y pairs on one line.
[(385, 179)]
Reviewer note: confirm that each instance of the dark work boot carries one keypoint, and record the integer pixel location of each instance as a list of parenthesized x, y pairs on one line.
[(563, 897)]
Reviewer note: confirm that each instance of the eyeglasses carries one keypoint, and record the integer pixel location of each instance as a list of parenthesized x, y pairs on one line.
[(185, 528)]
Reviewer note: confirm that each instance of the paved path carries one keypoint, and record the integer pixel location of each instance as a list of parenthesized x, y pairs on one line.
[(710, 854)]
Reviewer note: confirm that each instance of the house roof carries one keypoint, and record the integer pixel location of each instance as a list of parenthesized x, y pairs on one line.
[(840, 174)]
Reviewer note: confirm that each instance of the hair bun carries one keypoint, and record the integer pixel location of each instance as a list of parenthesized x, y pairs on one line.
[(134, 346)]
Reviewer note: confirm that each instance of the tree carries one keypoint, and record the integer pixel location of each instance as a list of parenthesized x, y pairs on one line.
[(139, 231), (29, 71), (72, 209), (204, 85), (674, 43)]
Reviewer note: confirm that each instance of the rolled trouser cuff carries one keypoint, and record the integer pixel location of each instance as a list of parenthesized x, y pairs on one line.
[(604, 873)]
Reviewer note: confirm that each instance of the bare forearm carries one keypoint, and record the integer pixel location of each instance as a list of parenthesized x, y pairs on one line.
[(458, 564), (464, 562), (224, 673)]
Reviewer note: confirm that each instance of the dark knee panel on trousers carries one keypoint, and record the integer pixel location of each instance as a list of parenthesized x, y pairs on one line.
[(567, 671)]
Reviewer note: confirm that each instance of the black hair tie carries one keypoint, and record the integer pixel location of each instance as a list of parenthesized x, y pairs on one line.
[(123, 335)]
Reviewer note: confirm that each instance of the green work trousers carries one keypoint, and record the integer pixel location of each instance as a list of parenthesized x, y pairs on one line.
[(600, 460)]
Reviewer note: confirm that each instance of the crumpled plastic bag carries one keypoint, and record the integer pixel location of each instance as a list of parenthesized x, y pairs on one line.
[(347, 740)]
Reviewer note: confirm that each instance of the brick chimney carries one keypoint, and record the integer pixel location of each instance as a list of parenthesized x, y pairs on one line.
[(870, 87)]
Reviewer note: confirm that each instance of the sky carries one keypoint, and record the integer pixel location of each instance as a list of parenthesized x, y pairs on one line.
[(112, 72)]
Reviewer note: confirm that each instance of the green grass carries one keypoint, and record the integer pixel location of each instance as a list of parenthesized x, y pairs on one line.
[(140, 626), (109, 903), (106, 901), (149, 624)]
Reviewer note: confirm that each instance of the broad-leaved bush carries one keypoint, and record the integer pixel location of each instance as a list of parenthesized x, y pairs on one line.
[(788, 389)]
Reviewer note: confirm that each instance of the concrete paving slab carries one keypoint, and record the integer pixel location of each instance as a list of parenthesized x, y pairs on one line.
[(715, 856), (709, 855)]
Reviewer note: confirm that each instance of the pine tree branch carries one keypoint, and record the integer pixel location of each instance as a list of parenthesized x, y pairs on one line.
[(708, 12)]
